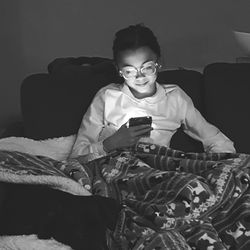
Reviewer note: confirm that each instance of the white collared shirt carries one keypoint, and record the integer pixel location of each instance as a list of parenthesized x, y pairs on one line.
[(170, 107)]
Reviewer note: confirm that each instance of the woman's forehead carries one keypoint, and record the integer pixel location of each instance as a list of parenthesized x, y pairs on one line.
[(136, 57)]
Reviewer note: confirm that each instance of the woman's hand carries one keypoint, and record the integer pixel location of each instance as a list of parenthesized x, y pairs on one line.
[(125, 137)]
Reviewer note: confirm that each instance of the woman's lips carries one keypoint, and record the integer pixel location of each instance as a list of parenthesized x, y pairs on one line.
[(141, 84)]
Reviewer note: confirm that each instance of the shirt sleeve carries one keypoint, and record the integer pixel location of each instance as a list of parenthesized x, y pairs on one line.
[(196, 126), (87, 144)]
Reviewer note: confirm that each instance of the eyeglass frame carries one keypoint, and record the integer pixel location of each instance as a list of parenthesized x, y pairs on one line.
[(157, 65)]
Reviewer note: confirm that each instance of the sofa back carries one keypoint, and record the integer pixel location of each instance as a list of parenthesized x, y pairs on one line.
[(226, 91), (53, 103)]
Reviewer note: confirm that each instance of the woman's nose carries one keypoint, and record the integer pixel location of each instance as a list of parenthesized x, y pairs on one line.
[(139, 74)]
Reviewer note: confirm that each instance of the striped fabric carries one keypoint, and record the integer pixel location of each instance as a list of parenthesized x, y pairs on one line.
[(171, 199), (176, 200)]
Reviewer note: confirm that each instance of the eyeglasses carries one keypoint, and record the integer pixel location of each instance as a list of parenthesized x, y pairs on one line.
[(148, 69)]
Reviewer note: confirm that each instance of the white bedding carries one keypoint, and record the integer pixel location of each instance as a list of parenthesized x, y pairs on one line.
[(55, 148), (30, 242)]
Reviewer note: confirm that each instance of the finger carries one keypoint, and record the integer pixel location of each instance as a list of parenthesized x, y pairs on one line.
[(142, 131), (140, 127), (134, 140), (123, 126)]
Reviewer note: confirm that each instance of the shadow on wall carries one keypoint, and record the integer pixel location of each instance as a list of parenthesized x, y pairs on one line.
[(11, 63)]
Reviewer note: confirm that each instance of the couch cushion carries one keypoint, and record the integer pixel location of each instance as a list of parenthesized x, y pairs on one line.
[(227, 88), (53, 104)]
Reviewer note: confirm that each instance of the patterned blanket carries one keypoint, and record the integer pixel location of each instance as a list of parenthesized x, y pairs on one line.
[(176, 200), (18, 167), (171, 199)]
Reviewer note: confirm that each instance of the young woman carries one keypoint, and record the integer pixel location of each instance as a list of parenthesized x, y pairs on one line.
[(167, 199), (171, 199), (104, 127)]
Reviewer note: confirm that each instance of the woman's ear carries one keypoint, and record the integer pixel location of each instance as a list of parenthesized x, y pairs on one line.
[(159, 66), (159, 63), (116, 66), (117, 69), (162, 62)]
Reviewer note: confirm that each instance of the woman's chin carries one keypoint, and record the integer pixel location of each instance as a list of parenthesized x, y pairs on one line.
[(143, 89), (143, 92)]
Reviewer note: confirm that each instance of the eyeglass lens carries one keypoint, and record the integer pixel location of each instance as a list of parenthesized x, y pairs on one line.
[(148, 69)]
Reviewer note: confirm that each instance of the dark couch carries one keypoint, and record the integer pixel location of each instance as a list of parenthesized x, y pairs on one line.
[(53, 103)]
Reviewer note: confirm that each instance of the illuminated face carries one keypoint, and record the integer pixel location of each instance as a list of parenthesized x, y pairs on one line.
[(139, 69)]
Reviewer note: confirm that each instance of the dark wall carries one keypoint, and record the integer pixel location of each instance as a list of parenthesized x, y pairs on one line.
[(191, 33), (11, 61)]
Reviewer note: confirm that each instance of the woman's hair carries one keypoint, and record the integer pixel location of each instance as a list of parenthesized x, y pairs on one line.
[(134, 37)]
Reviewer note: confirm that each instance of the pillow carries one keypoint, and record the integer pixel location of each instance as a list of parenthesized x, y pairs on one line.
[(55, 148)]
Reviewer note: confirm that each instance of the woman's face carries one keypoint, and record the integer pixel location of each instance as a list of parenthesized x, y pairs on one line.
[(141, 85)]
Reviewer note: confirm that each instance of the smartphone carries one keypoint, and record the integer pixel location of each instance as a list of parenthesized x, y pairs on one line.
[(135, 121)]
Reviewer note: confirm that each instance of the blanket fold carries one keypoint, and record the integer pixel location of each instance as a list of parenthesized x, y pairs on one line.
[(176, 199), (17, 167), (168, 197)]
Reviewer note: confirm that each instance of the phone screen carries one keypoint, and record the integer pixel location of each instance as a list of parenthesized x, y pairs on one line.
[(135, 121)]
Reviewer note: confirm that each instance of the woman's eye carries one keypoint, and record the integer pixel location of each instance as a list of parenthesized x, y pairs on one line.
[(129, 71), (148, 68)]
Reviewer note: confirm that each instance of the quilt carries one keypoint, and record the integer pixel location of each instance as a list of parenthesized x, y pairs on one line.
[(170, 199), (176, 200)]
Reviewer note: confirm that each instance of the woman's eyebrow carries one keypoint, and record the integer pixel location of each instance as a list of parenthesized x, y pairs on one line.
[(150, 60)]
